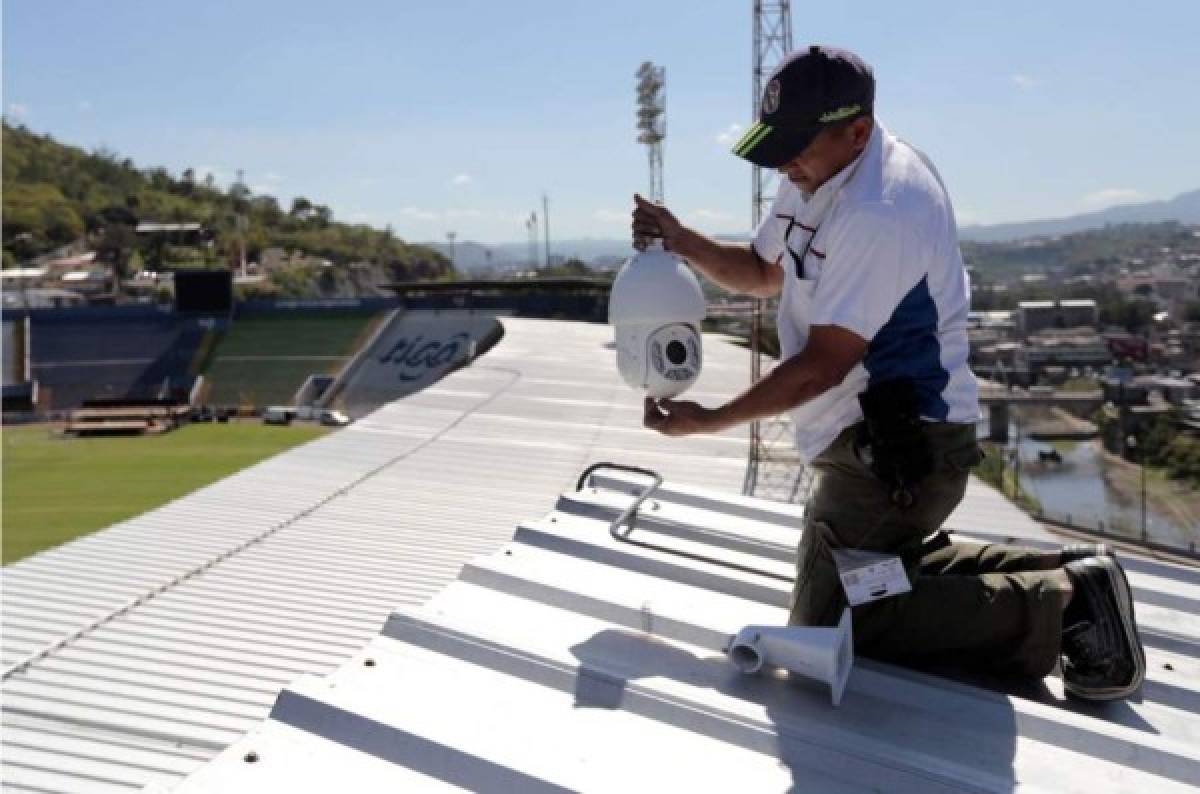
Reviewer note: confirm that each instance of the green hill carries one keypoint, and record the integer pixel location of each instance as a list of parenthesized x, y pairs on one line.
[(56, 194)]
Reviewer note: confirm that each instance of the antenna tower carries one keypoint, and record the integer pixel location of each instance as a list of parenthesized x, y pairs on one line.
[(531, 230), (546, 225), (652, 121), (774, 470), (772, 43)]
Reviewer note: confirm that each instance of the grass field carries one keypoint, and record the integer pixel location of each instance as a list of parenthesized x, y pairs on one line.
[(58, 488), (264, 360)]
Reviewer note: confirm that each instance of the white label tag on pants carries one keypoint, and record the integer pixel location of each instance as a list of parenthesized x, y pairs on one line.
[(869, 576)]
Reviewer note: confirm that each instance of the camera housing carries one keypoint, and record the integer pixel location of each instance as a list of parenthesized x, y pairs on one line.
[(656, 306)]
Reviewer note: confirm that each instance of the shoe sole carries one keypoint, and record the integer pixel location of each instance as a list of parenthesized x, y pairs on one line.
[(1127, 596), (1119, 587), (1082, 551)]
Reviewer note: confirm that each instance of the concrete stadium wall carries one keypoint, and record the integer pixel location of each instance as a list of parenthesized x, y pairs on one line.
[(412, 351)]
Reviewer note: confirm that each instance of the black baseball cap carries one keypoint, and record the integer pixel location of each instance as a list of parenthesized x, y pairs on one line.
[(812, 89)]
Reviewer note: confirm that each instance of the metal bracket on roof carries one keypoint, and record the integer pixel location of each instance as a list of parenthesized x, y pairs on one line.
[(628, 516)]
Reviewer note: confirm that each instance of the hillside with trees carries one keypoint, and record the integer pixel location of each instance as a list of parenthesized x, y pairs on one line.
[(55, 194), (1082, 252)]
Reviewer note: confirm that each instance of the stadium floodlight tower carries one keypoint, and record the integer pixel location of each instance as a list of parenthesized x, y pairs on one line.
[(652, 121), (656, 303)]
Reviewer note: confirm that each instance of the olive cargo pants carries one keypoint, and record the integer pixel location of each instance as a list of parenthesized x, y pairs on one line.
[(993, 607)]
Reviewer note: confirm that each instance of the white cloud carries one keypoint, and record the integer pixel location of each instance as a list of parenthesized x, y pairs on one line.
[(84, 106), (17, 110), (611, 216), (271, 176), (1024, 81), (1112, 195), (461, 179), (730, 134)]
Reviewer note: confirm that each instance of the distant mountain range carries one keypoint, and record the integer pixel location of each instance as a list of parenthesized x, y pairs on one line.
[(1184, 208), (472, 257)]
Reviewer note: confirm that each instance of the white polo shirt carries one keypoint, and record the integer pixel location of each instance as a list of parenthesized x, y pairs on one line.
[(874, 250)]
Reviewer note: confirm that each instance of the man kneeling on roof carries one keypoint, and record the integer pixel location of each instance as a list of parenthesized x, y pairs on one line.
[(861, 247)]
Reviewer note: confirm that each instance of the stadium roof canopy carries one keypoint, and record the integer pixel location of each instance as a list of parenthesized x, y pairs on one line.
[(555, 660), (149, 227)]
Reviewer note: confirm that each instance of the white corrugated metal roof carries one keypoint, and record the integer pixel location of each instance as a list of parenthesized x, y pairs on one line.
[(569, 661), (172, 633)]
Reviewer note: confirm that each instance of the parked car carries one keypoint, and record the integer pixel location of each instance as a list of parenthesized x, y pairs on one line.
[(334, 419), (278, 415)]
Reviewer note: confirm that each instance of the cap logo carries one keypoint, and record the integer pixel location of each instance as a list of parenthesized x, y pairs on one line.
[(839, 114), (770, 102)]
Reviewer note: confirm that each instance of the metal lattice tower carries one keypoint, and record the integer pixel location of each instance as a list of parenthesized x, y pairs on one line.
[(531, 231), (774, 469), (652, 121), (772, 43)]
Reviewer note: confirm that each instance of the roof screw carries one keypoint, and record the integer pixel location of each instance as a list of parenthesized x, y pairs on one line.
[(250, 757), (369, 662)]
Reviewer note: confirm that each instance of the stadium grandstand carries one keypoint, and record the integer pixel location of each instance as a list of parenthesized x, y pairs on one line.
[(264, 358), (19, 393), (135, 355)]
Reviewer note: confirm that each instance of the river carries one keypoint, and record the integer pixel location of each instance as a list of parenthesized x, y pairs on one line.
[(1076, 491)]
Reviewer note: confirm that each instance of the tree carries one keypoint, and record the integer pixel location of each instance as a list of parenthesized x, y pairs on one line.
[(301, 207), (116, 244)]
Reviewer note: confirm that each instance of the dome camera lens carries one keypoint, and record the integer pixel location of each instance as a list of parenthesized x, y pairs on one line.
[(676, 352)]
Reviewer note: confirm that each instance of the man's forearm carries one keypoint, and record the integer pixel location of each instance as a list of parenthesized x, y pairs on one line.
[(792, 383), (831, 353), (734, 267)]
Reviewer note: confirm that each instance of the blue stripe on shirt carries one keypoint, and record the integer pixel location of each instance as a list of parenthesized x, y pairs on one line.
[(907, 346)]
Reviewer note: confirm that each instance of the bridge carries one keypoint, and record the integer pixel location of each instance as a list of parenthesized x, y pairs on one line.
[(997, 402)]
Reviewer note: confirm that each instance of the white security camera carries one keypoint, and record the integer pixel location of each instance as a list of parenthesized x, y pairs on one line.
[(657, 308)]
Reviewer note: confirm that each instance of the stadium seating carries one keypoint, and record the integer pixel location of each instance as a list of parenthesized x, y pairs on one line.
[(79, 357), (264, 359)]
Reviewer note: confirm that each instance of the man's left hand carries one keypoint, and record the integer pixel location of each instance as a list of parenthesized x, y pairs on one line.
[(678, 417)]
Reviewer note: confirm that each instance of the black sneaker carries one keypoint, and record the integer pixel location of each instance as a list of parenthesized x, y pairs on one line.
[(1103, 658)]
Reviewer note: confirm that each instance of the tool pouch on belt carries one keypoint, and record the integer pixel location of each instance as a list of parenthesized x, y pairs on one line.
[(891, 439)]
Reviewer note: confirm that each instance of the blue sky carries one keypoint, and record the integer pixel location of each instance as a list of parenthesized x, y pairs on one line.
[(438, 116)]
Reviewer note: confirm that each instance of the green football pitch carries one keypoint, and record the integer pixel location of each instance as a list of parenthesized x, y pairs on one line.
[(57, 488)]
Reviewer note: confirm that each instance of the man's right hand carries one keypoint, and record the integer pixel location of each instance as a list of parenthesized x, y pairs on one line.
[(653, 221)]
